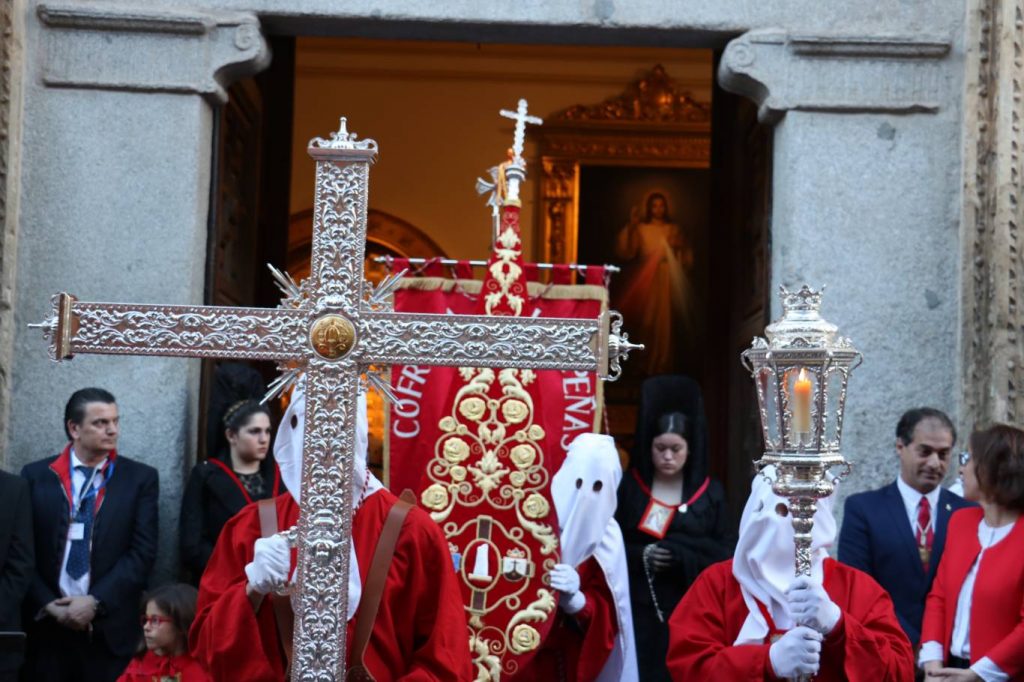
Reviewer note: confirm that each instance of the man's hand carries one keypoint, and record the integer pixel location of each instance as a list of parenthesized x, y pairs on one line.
[(810, 605), (81, 611), (566, 580), (950, 674), (798, 652), (268, 570), (58, 610), (930, 668), (659, 558)]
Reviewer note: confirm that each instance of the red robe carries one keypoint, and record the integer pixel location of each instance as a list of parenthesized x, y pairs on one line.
[(152, 667), (577, 646), (867, 645), (420, 632)]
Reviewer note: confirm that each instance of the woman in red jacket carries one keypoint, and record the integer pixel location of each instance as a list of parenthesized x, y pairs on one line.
[(974, 617)]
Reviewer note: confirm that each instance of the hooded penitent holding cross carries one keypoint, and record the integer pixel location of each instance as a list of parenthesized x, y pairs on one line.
[(419, 632)]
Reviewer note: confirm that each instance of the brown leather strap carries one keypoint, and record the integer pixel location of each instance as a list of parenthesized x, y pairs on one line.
[(373, 590), (282, 605)]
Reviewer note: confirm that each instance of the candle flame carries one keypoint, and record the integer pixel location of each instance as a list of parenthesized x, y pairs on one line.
[(803, 375)]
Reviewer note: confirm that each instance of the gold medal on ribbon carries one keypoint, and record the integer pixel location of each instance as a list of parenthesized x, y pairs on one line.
[(926, 555)]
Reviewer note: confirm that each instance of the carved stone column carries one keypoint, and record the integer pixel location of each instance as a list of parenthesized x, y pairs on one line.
[(992, 314), (865, 150)]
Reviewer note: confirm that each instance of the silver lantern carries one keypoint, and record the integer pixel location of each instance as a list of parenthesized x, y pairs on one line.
[(801, 372)]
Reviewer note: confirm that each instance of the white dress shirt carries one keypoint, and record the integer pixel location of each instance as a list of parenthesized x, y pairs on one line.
[(960, 640), (912, 499), (70, 587)]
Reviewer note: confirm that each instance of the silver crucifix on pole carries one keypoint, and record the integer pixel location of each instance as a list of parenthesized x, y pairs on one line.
[(335, 330)]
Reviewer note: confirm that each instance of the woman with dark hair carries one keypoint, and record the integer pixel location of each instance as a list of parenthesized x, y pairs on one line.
[(673, 516), (219, 487), (974, 616), (167, 615)]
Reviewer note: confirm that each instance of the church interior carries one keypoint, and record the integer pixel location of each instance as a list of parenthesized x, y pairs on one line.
[(620, 125)]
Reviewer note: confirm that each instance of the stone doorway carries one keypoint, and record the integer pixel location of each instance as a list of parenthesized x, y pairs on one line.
[(378, 85)]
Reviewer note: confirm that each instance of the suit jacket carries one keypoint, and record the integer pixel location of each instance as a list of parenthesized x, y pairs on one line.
[(997, 602), (124, 543), (17, 558), (877, 538)]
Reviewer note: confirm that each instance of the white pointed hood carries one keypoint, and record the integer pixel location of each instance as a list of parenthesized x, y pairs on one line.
[(288, 453), (765, 560), (584, 492)]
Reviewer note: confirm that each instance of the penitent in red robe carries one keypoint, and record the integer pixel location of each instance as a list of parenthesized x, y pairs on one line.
[(577, 646), (420, 632), (867, 645)]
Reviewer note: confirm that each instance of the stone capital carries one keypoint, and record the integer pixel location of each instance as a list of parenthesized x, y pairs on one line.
[(149, 49), (855, 74)]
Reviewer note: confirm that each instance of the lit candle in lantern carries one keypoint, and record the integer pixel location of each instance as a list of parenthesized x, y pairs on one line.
[(802, 403)]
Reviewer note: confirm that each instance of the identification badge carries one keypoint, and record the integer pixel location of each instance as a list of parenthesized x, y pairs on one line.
[(656, 519), (77, 531)]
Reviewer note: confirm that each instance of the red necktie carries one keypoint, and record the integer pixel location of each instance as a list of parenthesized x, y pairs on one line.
[(925, 533)]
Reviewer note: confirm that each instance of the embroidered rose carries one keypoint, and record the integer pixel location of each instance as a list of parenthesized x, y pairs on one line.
[(514, 411), (458, 473), (517, 478), (472, 408), (435, 497), (455, 450), (536, 506), (522, 456), (524, 638)]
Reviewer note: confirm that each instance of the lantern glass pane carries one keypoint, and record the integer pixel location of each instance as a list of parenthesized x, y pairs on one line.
[(833, 405), (768, 393)]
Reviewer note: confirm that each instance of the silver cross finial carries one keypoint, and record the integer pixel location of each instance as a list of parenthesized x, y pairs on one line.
[(521, 118)]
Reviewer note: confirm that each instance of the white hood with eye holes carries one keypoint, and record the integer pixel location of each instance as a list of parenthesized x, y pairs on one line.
[(584, 491), (288, 453), (765, 560)]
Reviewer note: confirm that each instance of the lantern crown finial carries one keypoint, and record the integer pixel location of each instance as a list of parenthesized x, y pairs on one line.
[(804, 300), (801, 324)]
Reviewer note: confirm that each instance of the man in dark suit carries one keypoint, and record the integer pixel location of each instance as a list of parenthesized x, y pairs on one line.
[(95, 526), (17, 562), (896, 533)]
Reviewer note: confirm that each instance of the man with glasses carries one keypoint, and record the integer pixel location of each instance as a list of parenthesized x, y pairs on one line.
[(896, 533)]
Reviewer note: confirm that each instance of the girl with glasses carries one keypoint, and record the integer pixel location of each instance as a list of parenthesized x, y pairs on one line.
[(163, 652)]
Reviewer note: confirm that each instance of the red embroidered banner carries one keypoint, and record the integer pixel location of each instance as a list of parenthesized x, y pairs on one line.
[(480, 446), (422, 391)]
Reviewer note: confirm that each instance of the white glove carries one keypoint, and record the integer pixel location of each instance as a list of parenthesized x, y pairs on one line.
[(268, 570), (798, 652), (566, 580), (810, 605)]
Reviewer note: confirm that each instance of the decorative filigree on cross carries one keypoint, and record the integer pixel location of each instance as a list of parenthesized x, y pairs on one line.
[(335, 330)]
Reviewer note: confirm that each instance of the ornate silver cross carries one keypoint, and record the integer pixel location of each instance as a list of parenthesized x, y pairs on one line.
[(334, 330)]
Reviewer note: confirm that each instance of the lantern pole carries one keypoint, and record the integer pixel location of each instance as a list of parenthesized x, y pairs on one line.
[(800, 372)]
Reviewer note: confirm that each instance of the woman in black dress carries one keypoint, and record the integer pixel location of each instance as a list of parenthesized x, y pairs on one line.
[(219, 487), (673, 516)]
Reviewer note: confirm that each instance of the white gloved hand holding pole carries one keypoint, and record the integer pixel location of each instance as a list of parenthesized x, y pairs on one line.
[(566, 580), (798, 652), (810, 605), (268, 570)]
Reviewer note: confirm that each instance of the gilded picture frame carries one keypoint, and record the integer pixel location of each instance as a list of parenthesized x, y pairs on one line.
[(652, 123)]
